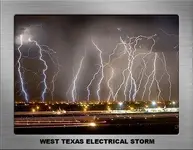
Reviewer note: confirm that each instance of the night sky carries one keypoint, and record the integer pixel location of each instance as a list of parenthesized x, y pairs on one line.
[(70, 36)]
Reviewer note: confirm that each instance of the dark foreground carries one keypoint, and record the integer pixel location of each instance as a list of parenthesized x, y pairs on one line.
[(167, 124), (151, 129)]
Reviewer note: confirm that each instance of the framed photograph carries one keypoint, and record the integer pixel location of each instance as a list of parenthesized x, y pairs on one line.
[(116, 72), (79, 74)]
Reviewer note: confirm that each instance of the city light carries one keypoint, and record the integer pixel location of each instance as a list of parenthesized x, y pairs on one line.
[(92, 124), (120, 103), (58, 112), (153, 103), (108, 108)]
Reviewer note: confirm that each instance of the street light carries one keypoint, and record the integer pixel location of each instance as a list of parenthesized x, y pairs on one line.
[(153, 103), (38, 107), (120, 103), (92, 124)]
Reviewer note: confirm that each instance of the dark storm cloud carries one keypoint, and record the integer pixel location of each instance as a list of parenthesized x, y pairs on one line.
[(70, 35)]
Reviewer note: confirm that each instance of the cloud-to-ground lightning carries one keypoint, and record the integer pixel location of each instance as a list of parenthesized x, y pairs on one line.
[(169, 78), (153, 75), (133, 83), (24, 39), (120, 86), (88, 87), (54, 78), (44, 70), (19, 70), (56, 65), (145, 66), (128, 51), (110, 61), (108, 84), (147, 81), (158, 86), (75, 80), (131, 57), (158, 81), (50, 52), (102, 70)]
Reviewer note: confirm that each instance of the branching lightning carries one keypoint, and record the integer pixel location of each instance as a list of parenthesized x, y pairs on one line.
[(44, 70), (19, 70), (43, 49), (102, 70), (153, 75), (133, 84)]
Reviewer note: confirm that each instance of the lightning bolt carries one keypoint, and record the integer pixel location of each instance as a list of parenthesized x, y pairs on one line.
[(159, 93), (44, 70), (145, 66), (108, 84), (169, 78), (130, 71), (107, 64), (102, 70), (123, 74), (88, 87), (143, 72), (130, 84), (42, 50), (131, 58), (111, 93), (158, 82), (19, 70), (54, 80), (56, 63), (114, 50), (75, 79), (147, 81), (128, 64), (153, 75)]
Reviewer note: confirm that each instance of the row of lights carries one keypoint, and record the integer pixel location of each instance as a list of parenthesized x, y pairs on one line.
[(108, 108), (35, 109), (154, 103)]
